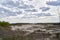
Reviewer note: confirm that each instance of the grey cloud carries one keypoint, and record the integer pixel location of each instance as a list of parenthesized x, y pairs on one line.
[(44, 8), (53, 3), (31, 10)]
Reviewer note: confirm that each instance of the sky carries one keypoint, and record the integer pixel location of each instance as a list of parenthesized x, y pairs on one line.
[(30, 11)]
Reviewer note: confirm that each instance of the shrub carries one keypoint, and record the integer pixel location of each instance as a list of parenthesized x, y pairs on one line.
[(4, 24)]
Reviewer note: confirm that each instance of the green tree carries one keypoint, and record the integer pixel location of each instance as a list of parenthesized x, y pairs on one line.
[(4, 24)]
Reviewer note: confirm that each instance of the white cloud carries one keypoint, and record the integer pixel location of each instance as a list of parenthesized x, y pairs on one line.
[(37, 4)]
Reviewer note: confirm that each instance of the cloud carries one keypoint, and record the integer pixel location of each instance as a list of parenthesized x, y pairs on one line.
[(19, 11), (53, 3), (44, 8), (51, 19)]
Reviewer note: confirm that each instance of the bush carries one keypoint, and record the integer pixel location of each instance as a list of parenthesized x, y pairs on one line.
[(4, 24)]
